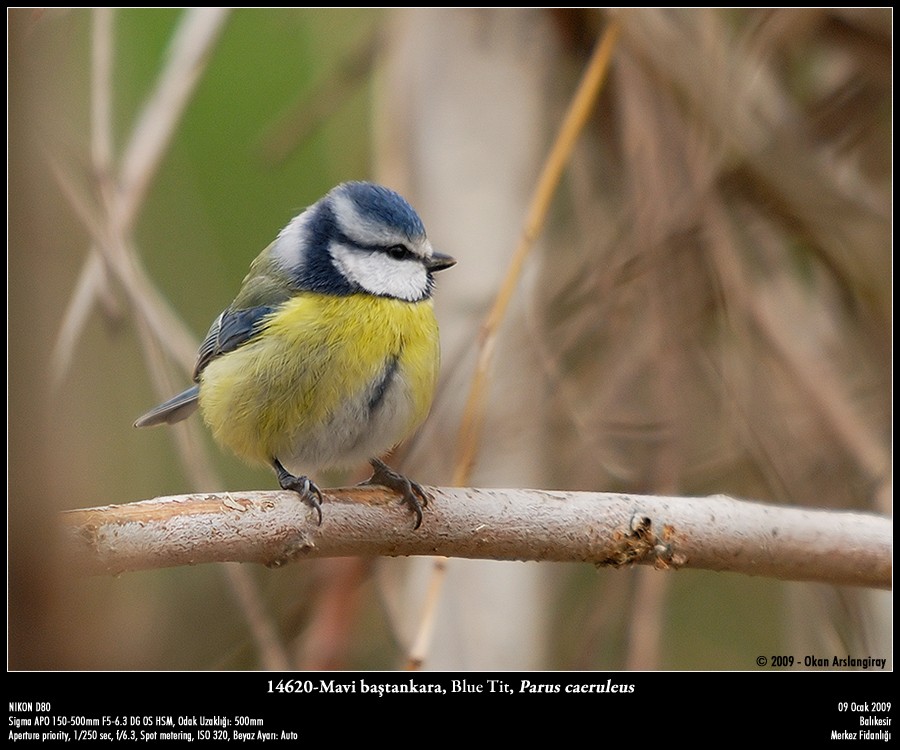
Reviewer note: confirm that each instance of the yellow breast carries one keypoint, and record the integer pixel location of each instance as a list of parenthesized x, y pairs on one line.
[(329, 382)]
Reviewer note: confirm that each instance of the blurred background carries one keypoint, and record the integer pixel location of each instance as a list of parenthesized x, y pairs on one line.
[(708, 310)]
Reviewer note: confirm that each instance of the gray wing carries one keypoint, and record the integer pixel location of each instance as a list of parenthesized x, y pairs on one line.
[(231, 329)]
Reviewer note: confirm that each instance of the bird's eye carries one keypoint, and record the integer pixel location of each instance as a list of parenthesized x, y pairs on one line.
[(398, 252)]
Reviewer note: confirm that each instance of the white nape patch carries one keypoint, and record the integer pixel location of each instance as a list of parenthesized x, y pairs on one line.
[(289, 250), (380, 274), (365, 231)]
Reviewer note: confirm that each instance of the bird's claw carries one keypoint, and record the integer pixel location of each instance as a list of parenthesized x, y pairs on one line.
[(302, 485), (411, 492)]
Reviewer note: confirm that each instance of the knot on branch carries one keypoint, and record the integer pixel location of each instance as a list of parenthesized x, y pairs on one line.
[(640, 544)]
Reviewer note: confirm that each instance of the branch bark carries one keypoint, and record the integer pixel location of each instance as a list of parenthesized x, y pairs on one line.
[(274, 528)]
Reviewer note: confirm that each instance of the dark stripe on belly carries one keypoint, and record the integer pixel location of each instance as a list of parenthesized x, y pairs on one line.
[(381, 387)]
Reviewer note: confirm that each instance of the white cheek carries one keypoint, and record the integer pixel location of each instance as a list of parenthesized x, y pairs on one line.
[(380, 274)]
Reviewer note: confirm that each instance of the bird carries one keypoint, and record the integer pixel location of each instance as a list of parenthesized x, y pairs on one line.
[(329, 354)]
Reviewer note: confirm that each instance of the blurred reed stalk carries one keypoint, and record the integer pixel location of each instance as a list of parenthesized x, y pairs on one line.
[(110, 214)]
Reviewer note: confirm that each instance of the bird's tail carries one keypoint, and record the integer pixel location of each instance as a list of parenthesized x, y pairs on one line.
[(174, 410)]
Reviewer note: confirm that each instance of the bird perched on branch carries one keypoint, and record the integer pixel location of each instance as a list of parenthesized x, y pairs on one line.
[(329, 354)]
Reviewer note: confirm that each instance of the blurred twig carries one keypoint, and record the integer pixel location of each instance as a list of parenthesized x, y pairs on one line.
[(162, 334), (469, 435), (271, 651), (429, 614), (580, 109), (304, 118), (822, 389), (753, 248), (612, 530), (191, 46), (140, 161)]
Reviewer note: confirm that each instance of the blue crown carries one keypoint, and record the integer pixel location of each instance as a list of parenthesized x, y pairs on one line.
[(384, 206)]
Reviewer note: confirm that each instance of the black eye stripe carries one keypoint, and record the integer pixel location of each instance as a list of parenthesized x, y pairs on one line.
[(395, 251), (399, 252)]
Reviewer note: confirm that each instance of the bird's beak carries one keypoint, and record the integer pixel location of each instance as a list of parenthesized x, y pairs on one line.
[(439, 261)]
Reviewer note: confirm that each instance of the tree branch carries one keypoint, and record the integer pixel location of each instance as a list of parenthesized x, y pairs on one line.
[(274, 528)]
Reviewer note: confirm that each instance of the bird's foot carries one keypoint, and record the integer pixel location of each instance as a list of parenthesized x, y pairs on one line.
[(303, 486), (412, 493)]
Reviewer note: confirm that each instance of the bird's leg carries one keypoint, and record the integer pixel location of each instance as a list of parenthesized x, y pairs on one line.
[(301, 485), (412, 493)]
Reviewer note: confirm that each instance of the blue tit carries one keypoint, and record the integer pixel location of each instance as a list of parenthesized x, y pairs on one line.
[(329, 354)]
